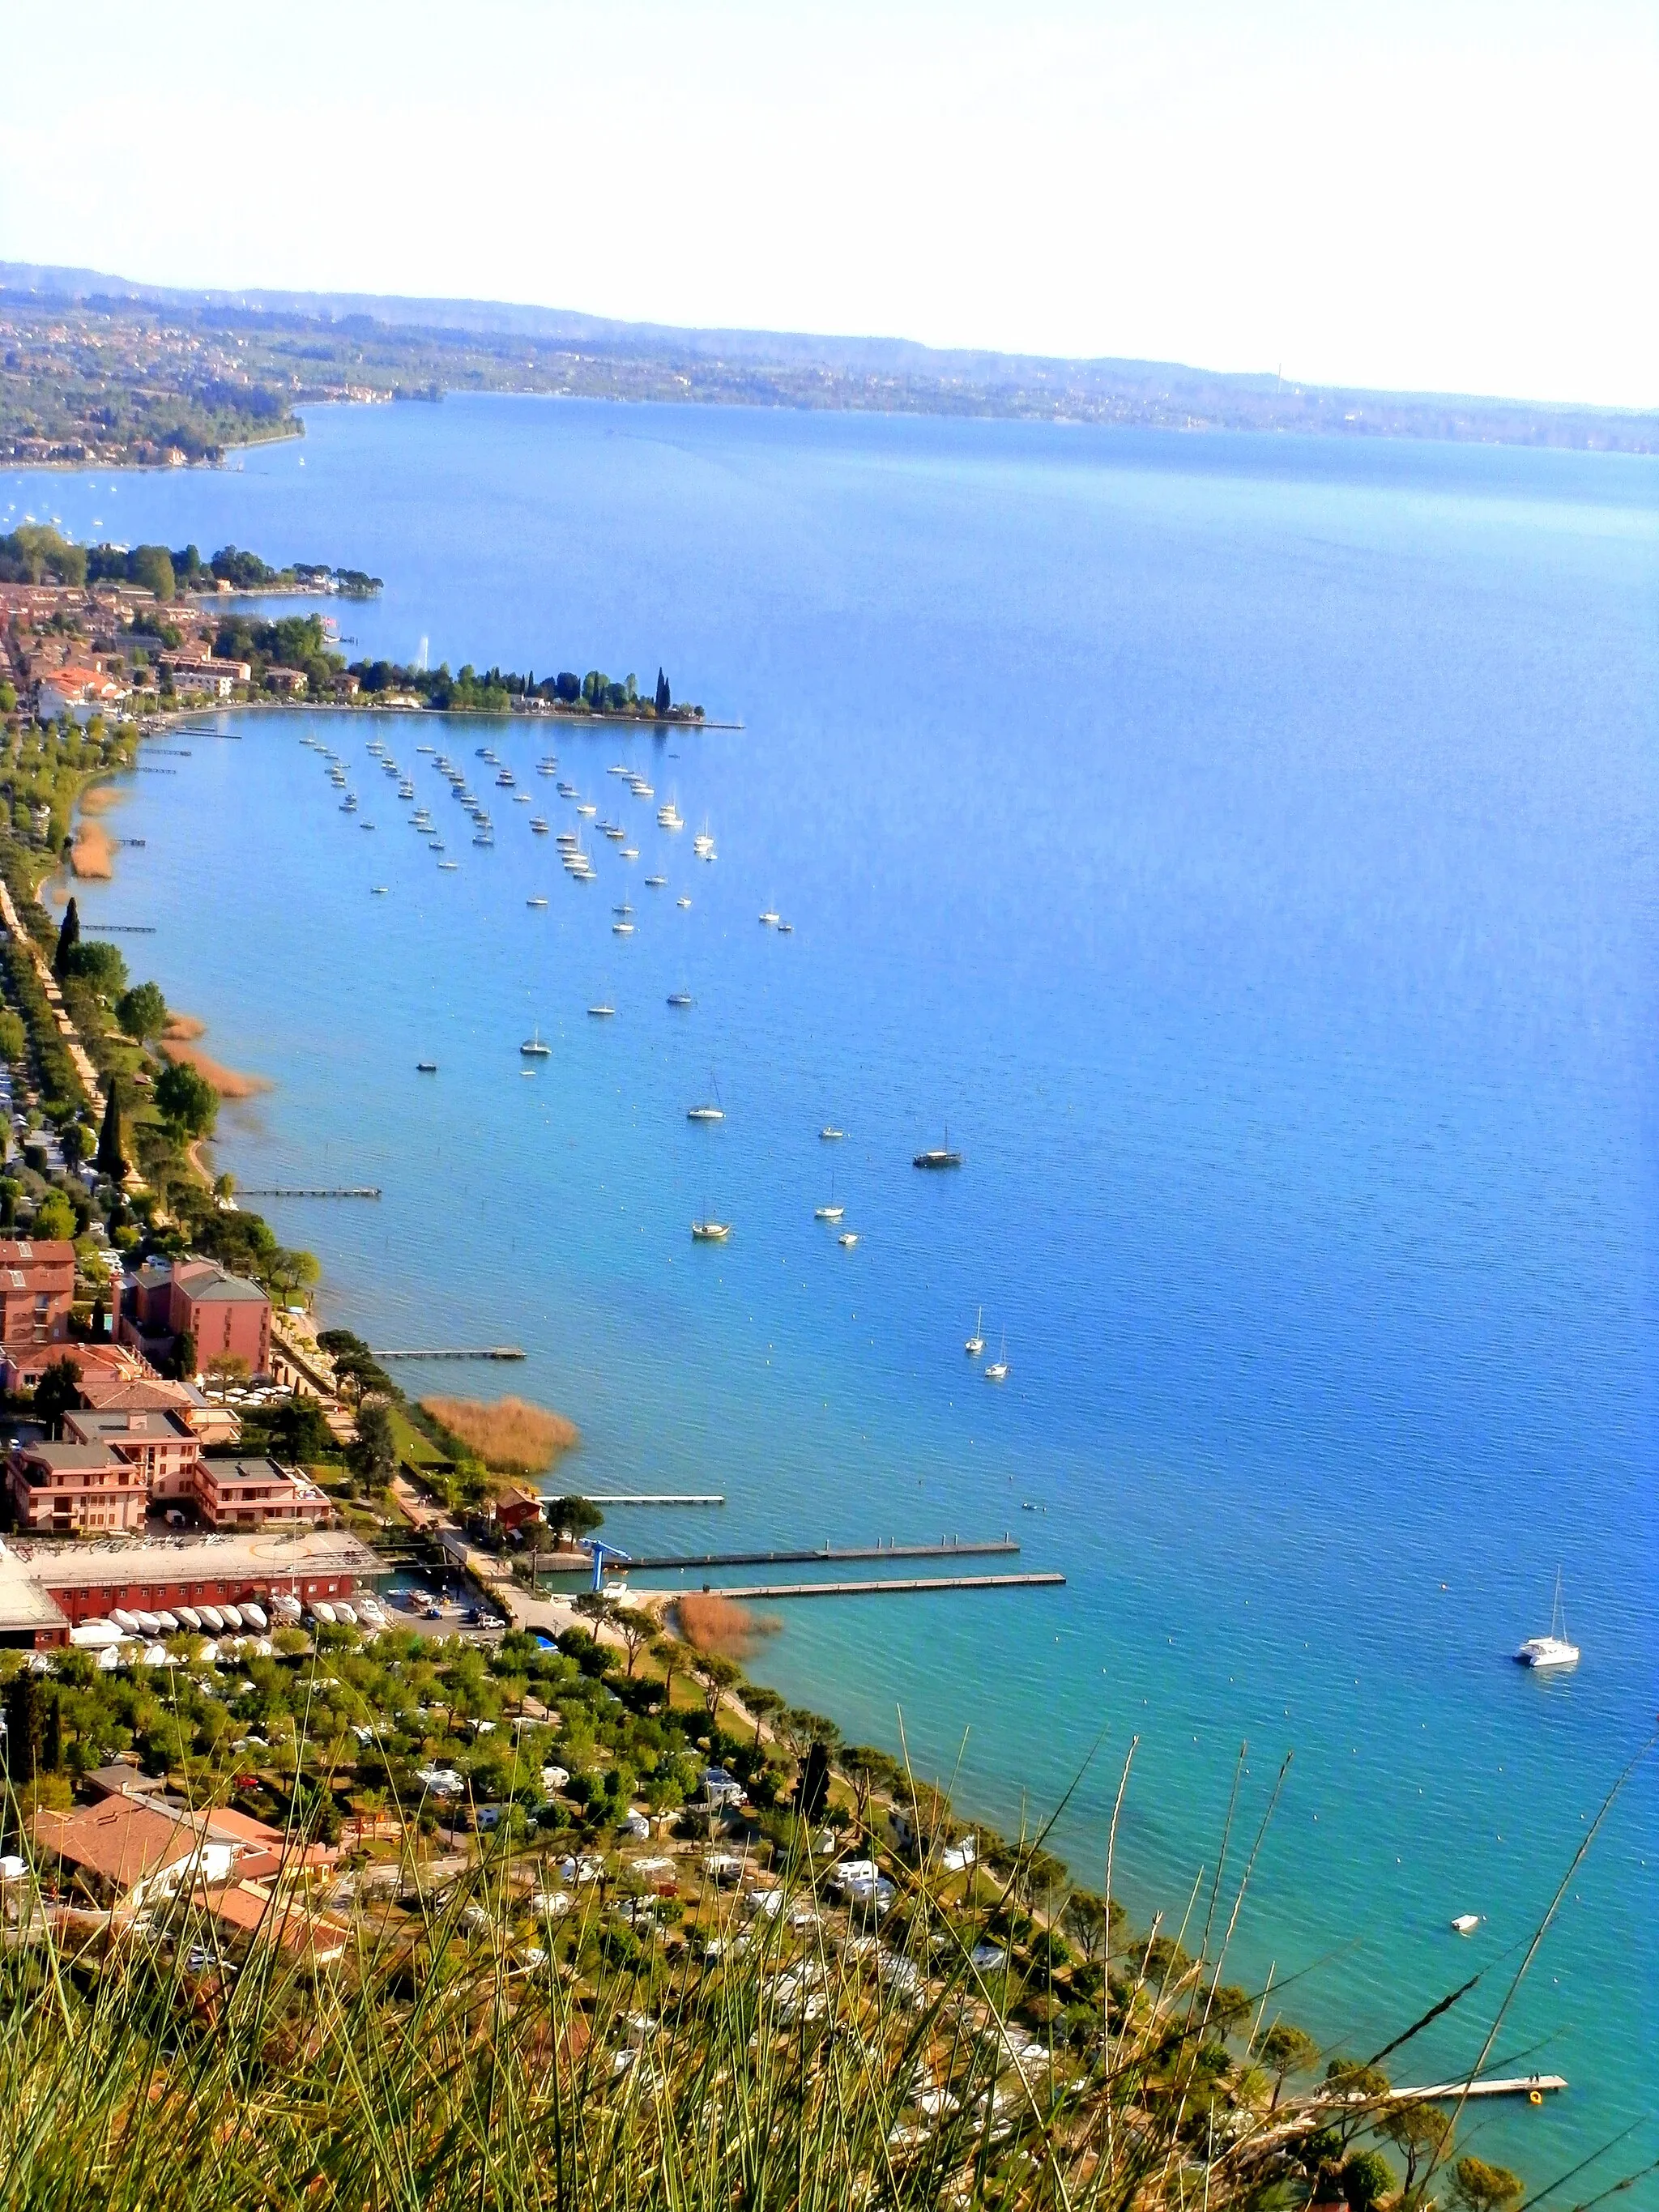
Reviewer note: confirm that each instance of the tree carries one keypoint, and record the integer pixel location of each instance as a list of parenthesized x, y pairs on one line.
[(58, 1391), (141, 1011), (54, 1217), (764, 1704), (292, 1270), (186, 1099), (717, 1674), (151, 566), (674, 1658), (663, 701), (75, 1140), (295, 1431), (69, 936), (813, 1787), (867, 1769), (13, 1038), (1367, 2178), (34, 1741), (572, 1517), (183, 1356), (1287, 2050), (373, 1454), (1485, 2188), (1420, 2133), (637, 1631), (226, 1368), (110, 1159), (89, 960)]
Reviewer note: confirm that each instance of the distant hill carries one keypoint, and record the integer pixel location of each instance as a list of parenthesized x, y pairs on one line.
[(69, 367)]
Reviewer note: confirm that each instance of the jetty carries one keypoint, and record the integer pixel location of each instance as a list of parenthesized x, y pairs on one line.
[(954, 1549), (126, 928), (1514, 2085), (665, 1497), (293, 1190), (457, 1351), (885, 1587)]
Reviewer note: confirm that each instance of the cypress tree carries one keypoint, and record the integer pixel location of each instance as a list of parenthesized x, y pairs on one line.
[(109, 1159), (663, 700), (68, 937)]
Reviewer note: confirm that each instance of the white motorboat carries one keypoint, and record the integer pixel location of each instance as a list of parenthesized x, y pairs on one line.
[(682, 902), (602, 1014), (975, 1344), (1553, 1650), (622, 929), (535, 902), (769, 919), (848, 1239), (656, 883), (830, 1135), (1465, 1923)]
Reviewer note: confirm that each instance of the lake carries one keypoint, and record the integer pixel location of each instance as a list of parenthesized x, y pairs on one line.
[(1246, 849)]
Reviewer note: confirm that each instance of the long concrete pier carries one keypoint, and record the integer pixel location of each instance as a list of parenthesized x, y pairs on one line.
[(885, 1587), (1000, 1545)]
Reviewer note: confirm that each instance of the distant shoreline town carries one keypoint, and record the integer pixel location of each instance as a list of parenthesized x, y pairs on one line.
[(142, 631), (98, 371)]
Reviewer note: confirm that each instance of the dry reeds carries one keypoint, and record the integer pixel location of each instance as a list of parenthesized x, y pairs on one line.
[(509, 1435), (710, 1623), (92, 854), (228, 1082)]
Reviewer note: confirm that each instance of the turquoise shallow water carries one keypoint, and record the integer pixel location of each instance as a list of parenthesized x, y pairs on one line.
[(1248, 847)]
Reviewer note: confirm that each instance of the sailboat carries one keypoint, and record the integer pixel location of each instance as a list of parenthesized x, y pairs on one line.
[(998, 1369), (831, 1212), (975, 1344), (533, 1049), (1553, 1650), (709, 1231), (939, 1156), (714, 1113), (681, 999)]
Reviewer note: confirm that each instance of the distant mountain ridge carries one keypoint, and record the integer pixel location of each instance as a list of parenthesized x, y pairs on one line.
[(423, 347)]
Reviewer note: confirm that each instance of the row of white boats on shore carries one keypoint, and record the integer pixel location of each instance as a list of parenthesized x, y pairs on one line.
[(245, 1618)]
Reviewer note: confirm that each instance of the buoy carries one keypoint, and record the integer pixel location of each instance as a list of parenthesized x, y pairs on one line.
[(1534, 2096)]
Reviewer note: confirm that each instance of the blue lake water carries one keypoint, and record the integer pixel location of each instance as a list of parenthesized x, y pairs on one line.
[(1248, 848)]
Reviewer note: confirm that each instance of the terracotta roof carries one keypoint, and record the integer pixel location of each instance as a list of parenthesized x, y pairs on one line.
[(122, 1841), (246, 1907)]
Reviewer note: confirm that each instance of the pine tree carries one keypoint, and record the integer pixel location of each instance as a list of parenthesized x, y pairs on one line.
[(68, 937), (109, 1159)]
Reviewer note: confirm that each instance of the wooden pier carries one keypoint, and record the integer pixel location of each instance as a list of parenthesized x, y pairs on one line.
[(334, 1190), (886, 1587), (1515, 2085), (457, 1351), (1000, 1545)]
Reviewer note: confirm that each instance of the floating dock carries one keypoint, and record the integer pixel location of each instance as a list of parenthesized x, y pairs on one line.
[(886, 1587), (1002, 1546)]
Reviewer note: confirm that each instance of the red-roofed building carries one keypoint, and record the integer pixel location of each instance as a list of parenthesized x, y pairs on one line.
[(36, 1290), (226, 1316)]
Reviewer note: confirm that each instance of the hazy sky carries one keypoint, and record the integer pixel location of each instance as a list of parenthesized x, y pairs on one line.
[(1457, 196)]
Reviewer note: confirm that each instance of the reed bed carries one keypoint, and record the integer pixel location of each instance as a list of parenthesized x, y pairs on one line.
[(709, 1623), (228, 1082), (510, 1435)]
